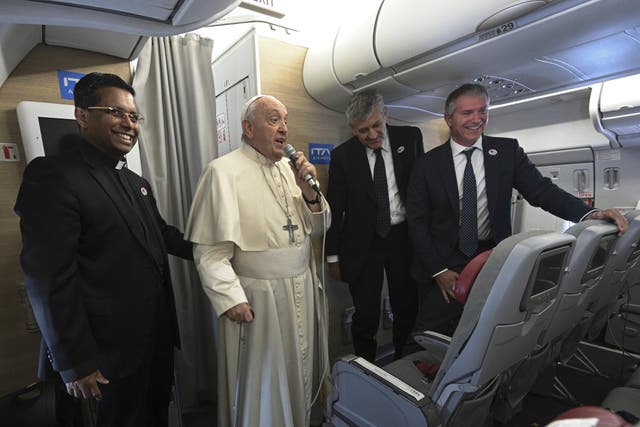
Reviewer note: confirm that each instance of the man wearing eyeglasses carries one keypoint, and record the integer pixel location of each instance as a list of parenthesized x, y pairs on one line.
[(95, 262)]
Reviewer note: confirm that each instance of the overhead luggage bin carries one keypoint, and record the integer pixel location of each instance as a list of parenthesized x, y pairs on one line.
[(353, 53), (142, 17), (517, 49), (320, 80), (407, 28), (113, 27), (615, 110)]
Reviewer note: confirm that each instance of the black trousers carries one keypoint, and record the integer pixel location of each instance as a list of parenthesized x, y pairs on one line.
[(392, 255), (142, 398), (434, 314)]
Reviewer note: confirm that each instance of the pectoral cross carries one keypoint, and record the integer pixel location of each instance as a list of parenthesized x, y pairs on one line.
[(290, 227)]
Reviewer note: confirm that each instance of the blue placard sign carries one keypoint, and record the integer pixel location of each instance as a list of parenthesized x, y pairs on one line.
[(320, 154), (68, 80)]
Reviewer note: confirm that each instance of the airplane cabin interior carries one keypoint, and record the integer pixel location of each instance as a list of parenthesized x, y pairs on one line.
[(550, 329)]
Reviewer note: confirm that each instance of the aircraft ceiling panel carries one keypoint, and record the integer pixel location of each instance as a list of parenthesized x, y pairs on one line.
[(597, 58), (160, 10), (391, 89), (409, 114), (419, 105), (116, 44), (531, 77)]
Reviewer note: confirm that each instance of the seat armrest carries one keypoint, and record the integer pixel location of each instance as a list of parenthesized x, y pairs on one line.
[(435, 343)]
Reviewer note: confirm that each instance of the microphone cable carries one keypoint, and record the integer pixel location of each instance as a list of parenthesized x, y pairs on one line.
[(324, 318)]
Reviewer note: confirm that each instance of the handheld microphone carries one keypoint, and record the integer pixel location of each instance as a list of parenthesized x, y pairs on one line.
[(290, 152)]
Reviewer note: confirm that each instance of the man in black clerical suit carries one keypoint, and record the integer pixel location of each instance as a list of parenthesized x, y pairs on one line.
[(368, 178), (95, 262), (444, 238)]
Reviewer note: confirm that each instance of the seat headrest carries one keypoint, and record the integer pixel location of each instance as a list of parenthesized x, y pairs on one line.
[(468, 276)]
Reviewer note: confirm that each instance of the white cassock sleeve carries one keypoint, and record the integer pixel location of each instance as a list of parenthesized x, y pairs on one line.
[(220, 282)]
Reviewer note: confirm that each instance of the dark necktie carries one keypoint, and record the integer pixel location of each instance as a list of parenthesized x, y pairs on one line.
[(383, 220), (468, 216)]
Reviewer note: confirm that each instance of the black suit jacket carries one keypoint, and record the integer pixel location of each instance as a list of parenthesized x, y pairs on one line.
[(352, 197), (91, 276), (433, 204)]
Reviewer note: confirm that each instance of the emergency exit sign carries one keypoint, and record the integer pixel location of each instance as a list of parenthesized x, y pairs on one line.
[(273, 8)]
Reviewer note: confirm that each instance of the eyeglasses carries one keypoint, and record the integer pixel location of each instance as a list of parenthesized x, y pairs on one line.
[(120, 113)]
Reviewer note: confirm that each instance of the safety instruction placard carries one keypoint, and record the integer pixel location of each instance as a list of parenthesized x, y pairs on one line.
[(9, 153)]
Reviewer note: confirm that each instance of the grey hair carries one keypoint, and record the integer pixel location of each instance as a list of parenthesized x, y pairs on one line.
[(472, 89), (362, 104), (249, 109)]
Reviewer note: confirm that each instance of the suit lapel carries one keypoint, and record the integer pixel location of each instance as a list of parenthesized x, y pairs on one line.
[(360, 164), (118, 198), (492, 158), (154, 241), (399, 154), (448, 174)]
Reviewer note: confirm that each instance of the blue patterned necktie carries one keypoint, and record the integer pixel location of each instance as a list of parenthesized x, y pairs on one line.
[(383, 219), (468, 217)]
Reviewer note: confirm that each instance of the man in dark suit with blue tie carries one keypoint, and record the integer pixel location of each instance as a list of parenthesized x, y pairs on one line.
[(459, 203), (368, 178), (95, 262)]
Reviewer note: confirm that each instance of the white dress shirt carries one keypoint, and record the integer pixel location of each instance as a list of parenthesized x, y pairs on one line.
[(477, 162), (398, 211)]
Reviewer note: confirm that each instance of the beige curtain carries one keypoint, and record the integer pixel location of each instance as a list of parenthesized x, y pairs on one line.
[(174, 90)]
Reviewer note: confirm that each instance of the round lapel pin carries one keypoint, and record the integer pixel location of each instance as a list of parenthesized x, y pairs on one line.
[(400, 149), (143, 191), (493, 152)]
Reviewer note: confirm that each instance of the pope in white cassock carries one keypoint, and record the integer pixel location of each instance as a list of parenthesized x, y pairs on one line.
[(251, 222)]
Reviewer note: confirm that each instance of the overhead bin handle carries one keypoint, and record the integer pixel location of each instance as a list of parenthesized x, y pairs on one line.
[(611, 178), (580, 180)]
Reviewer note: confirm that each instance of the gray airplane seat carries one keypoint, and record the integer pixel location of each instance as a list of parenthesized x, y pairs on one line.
[(508, 308), (581, 287), (624, 400), (634, 379), (623, 327), (620, 408), (570, 321), (624, 254), (577, 287)]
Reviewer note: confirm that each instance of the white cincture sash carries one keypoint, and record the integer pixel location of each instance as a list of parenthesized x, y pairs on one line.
[(273, 263)]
